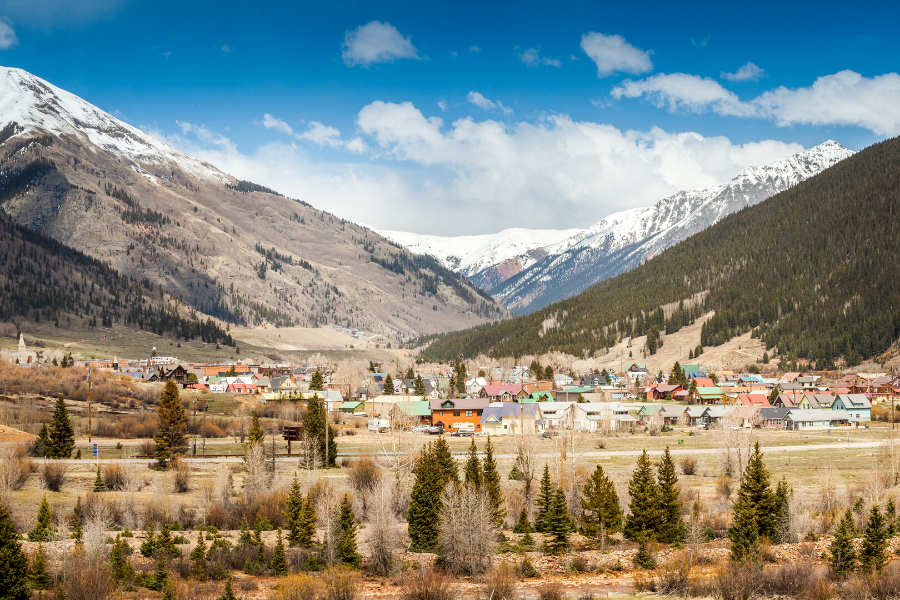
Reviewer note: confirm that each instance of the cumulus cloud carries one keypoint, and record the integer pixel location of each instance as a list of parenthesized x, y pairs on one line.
[(8, 37), (481, 102), (270, 122), (474, 49), (844, 98), (612, 54), (748, 72), (688, 92), (442, 104), (555, 172), (532, 58), (376, 42), (322, 135)]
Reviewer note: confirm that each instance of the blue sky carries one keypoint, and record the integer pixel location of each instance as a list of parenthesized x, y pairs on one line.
[(454, 117)]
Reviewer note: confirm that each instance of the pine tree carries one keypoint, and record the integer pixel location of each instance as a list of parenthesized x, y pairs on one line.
[(317, 383), (293, 512), (198, 556), (410, 374), (255, 435), (279, 558), (643, 558), (348, 554), (644, 517), (445, 460), (314, 424), (419, 386), (171, 438), (13, 562), (744, 531), (472, 470), (558, 523), (38, 574), (61, 435), (755, 490), (543, 502), (671, 528), (99, 486), (43, 529), (890, 516), (872, 553), (388, 389), (492, 484), (164, 542), (245, 538), (842, 552), (425, 502), (43, 446), (228, 594), (118, 561), (148, 547), (522, 525), (307, 529), (601, 514)]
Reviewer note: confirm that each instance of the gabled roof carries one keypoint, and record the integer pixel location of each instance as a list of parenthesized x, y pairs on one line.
[(710, 391), (665, 388), (416, 408), (855, 401), (670, 411), (760, 400), (774, 412), (703, 382), (819, 400), (498, 390), (819, 414), (458, 403)]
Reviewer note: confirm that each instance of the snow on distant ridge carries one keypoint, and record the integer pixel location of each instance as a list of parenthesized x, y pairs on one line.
[(39, 106)]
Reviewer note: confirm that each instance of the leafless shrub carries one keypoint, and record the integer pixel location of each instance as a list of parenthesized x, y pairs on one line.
[(551, 590), (382, 537), (673, 577), (297, 587), (466, 536), (256, 477), (794, 580), (427, 584), (734, 581), (114, 477), (148, 448), (15, 468), (499, 583), (339, 584), (83, 578), (181, 475), (53, 475), (724, 487), (688, 464), (364, 474)]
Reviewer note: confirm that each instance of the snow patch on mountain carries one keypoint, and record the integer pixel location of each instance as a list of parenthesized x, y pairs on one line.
[(41, 107)]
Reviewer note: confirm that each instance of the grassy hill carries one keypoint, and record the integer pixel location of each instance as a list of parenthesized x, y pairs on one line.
[(812, 271)]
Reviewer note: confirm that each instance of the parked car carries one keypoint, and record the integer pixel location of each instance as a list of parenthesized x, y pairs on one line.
[(435, 431), (463, 433), (421, 428)]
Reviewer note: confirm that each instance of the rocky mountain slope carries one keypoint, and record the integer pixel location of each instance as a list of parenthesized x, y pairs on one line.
[(490, 259), (231, 249), (626, 239)]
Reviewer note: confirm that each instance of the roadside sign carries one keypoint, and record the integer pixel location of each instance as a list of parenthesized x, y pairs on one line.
[(95, 450), (681, 442)]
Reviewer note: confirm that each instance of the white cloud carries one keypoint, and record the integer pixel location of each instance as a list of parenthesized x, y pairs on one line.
[(454, 54), (701, 42), (612, 54), (376, 42), (481, 176), (270, 122), (474, 49), (844, 98), (442, 104), (748, 72), (532, 58), (322, 135), (689, 92), (8, 37), (227, 49), (481, 102)]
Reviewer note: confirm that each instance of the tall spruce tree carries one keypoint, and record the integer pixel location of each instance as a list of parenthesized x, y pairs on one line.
[(307, 523), (255, 435), (419, 386), (492, 484), (171, 433), (842, 553), (348, 554), (293, 512), (43, 528), (744, 532), (317, 383), (13, 561), (314, 424), (388, 389), (445, 460), (543, 502), (644, 505), (559, 524), (873, 552), (472, 470), (756, 491), (278, 562), (99, 485), (670, 529), (409, 373), (61, 436), (601, 514), (425, 502), (40, 578)]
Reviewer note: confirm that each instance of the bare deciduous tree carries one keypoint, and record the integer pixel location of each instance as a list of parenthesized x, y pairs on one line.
[(466, 535), (382, 536)]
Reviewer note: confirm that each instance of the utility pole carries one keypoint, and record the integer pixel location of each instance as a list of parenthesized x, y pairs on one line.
[(205, 409), (90, 385)]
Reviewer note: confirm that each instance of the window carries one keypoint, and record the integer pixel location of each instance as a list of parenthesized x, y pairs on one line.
[(506, 427), (456, 413), (469, 413)]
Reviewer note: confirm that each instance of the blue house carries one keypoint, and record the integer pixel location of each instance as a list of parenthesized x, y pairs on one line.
[(857, 406)]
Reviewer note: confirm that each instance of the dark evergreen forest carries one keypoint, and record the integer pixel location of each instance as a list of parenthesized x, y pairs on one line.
[(812, 271)]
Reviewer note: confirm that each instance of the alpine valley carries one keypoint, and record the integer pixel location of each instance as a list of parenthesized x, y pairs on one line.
[(526, 270), (215, 246)]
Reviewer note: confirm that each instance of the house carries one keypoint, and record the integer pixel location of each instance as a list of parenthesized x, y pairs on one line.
[(571, 394), (539, 397), (772, 416), (381, 406), (857, 406), (504, 393), (714, 414), (816, 401), (789, 400), (696, 415), (798, 419), (592, 379), (648, 412), (263, 384), (178, 374), (416, 412), (597, 416), (283, 384), (757, 400), (458, 413), (710, 395), (554, 413), (352, 407), (509, 418), (560, 380), (808, 382), (241, 388), (665, 392), (408, 386), (703, 382), (673, 414)]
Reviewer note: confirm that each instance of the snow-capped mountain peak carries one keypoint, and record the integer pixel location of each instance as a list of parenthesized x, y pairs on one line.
[(38, 106)]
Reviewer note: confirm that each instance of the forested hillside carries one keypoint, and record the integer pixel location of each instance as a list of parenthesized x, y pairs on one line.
[(44, 280), (813, 271)]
